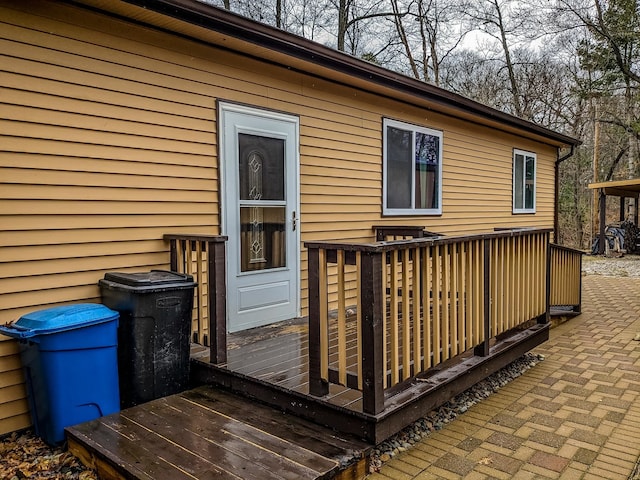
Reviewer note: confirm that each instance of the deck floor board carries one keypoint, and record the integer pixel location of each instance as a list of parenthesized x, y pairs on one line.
[(206, 433), (281, 357)]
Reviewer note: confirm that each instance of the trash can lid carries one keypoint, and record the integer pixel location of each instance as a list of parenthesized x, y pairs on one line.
[(148, 279), (58, 319)]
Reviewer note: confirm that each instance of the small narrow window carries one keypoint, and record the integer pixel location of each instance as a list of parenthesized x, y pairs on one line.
[(412, 158), (524, 182)]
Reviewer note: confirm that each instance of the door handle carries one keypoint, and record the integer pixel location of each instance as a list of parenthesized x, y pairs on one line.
[(294, 221)]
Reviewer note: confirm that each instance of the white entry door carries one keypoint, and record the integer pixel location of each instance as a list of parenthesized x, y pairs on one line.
[(259, 166)]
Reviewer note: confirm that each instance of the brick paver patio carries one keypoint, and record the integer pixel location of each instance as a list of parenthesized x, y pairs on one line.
[(576, 415)]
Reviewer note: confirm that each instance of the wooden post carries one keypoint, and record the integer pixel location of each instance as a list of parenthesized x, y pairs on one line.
[(596, 159), (173, 254), (603, 219), (546, 318), (622, 212), (373, 368), (482, 349), (217, 294), (578, 308), (317, 386)]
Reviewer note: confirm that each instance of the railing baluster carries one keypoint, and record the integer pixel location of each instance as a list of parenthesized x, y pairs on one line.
[(469, 307), (461, 296), (436, 279), (198, 337), (453, 343), (406, 332), (444, 329), (393, 333), (427, 280), (386, 283), (478, 294), (417, 294)]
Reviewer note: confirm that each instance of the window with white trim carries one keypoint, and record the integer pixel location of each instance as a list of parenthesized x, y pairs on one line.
[(524, 182), (412, 166)]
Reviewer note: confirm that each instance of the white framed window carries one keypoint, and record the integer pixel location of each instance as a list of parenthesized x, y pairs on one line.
[(524, 182), (412, 169)]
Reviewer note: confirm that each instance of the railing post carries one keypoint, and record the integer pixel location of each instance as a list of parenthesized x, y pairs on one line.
[(217, 295), (603, 221), (482, 349), (373, 368), (173, 254), (546, 318), (317, 386), (578, 308)]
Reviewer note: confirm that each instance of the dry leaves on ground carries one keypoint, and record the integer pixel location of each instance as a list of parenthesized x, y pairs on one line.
[(23, 455)]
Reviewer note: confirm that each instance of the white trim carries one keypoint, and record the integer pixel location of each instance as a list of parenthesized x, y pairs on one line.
[(294, 123), (525, 154), (386, 122)]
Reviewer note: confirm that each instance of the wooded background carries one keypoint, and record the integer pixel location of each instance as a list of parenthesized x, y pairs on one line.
[(569, 65)]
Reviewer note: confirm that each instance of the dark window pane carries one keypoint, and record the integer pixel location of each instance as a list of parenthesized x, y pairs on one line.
[(399, 168), (261, 165), (529, 186), (262, 238), (427, 167), (518, 181)]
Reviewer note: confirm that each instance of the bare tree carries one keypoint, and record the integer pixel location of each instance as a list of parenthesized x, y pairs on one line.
[(504, 21), (351, 14), (429, 31)]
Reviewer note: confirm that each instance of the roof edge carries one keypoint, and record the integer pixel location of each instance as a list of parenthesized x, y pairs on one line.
[(228, 23)]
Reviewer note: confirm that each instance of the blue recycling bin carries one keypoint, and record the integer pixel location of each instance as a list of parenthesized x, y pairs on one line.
[(70, 362)]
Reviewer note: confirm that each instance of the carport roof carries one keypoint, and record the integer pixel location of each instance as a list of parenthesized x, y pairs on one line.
[(619, 188)]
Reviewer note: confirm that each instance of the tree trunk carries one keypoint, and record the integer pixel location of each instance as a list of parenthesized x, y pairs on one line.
[(278, 13), (515, 90), (403, 38), (343, 15)]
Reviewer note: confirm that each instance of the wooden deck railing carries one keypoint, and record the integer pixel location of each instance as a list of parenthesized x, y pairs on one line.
[(203, 256), (566, 278), (418, 303)]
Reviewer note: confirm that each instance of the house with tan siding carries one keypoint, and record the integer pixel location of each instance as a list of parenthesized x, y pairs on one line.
[(124, 121)]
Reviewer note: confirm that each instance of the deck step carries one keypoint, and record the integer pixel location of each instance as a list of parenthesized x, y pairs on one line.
[(207, 433)]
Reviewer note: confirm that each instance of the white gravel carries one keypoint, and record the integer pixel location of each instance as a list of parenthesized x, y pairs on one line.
[(626, 266)]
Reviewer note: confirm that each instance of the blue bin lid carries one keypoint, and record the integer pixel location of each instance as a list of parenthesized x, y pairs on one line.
[(59, 319)]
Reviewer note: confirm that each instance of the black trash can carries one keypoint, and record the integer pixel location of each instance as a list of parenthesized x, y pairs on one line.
[(154, 332)]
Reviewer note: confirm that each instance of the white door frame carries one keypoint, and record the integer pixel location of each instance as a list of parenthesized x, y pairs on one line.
[(226, 134)]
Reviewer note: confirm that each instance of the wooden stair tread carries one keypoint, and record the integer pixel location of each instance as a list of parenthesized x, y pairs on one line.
[(208, 433)]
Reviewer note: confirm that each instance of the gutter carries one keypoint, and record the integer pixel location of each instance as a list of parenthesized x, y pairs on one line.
[(557, 188)]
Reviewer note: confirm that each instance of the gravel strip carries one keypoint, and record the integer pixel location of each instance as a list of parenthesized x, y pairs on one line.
[(439, 417), (626, 266)]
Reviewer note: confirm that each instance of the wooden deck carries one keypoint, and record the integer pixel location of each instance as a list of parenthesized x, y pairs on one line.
[(207, 433), (270, 365), (253, 418)]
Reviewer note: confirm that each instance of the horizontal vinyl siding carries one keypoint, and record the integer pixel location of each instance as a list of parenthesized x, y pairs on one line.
[(108, 141)]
